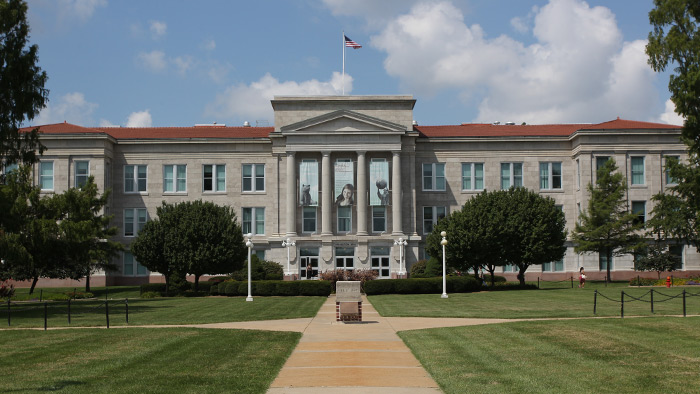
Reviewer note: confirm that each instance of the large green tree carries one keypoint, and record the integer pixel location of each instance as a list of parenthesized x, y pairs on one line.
[(22, 92), (515, 226), (607, 227), (195, 237), (87, 231)]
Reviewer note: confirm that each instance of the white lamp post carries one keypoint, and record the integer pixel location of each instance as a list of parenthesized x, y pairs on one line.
[(402, 264), (444, 281), (287, 244), (249, 244)]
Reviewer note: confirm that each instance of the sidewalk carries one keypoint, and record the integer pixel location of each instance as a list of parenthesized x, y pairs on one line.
[(367, 357)]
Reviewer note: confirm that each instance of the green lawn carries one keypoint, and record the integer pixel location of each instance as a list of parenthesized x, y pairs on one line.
[(176, 310), (518, 304), (140, 360), (653, 355), (50, 293)]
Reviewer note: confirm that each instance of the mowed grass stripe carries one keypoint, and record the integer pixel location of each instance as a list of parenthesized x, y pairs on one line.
[(167, 360), (156, 311), (521, 304), (583, 356)]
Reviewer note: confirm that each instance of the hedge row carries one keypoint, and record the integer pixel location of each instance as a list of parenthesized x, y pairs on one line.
[(204, 288), (273, 288), (455, 284)]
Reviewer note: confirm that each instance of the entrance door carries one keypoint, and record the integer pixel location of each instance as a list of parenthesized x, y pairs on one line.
[(380, 261)]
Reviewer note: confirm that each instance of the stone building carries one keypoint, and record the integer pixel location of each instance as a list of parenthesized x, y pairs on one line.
[(347, 177)]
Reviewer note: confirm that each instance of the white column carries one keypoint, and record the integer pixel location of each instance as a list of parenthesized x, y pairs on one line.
[(361, 194), (327, 194), (291, 195), (397, 225)]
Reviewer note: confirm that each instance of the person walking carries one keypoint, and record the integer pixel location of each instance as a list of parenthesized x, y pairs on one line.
[(581, 278)]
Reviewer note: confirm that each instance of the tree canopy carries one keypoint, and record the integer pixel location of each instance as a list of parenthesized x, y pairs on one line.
[(22, 92), (192, 237), (515, 226), (607, 227)]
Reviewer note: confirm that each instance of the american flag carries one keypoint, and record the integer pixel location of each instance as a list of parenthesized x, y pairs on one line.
[(352, 44)]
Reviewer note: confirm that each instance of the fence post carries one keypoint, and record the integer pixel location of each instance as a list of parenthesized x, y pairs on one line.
[(652, 300), (106, 291), (107, 312), (75, 289), (46, 312), (126, 302), (622, 305), (8, 312), (41, 295), (68, 310), (595, 300), (538, 282), (683, 302), (572, 281)]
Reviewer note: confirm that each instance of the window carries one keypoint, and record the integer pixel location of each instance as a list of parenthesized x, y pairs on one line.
[(380, 261), (345, 258), (175, 178), (431, 215), (133, 267), (550, 176), (434, 177), (677, 252), (214, 178), (510, 268), (511, 175), (378, 219), (134, 220), (260, 253), (669, 179), (253, 177), (309, 220), (578, 174), (254, 221), (603, 263), (46, 175), (600, 162), (344, 219), (639, 208), (472, 176), (135, 179), (308, 263), (7, 169), (555, 266), (82, 172), (637, 164)]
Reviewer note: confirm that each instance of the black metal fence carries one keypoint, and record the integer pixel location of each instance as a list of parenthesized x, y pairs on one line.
[(41, 309), (628, 298)]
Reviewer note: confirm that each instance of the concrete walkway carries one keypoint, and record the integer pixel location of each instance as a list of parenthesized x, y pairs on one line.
[(367, 357)]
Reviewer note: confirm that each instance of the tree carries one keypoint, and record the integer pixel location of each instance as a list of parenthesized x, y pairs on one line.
[(607, 227), (22, 92), (32, 245), (192, 237), (515, 226), (87, 232)]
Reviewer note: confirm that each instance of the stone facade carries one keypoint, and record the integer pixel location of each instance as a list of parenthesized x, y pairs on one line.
[(360, 130)]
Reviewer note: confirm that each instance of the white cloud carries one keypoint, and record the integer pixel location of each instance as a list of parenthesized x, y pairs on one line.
[(71, 108), (107, 123), (183, 64), (252, 101), (208, 45), (578, 68), (154, 60), (376, 13), (82, 9), (158, 29), (520, 25), (139, 119), (670, 116)]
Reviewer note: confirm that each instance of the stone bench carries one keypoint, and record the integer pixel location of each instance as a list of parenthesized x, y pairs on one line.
[(348, 301)]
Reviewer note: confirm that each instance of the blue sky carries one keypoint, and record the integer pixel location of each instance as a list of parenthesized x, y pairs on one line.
[(166, 63)]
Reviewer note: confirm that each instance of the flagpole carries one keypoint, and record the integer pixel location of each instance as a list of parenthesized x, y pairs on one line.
[(343, 79)]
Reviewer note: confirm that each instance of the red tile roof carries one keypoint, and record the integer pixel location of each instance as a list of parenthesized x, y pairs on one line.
[(463, 130), (562, 130)]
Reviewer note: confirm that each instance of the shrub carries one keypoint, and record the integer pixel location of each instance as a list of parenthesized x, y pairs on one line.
[(287, 288), (384, 286), (150, 294), (418, 268), (153, 287), (643, 281), (315, 288), (214, 289), (265, 288), (433, 267), (231, 288), (217, 279), (510, 286), (204, 286), (259, 270), (79, 295), (362, 275), (7, 291), (455, 284), (192, 293), (406, 286)]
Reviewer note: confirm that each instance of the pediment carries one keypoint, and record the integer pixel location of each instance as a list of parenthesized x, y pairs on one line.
[(342, 121)]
